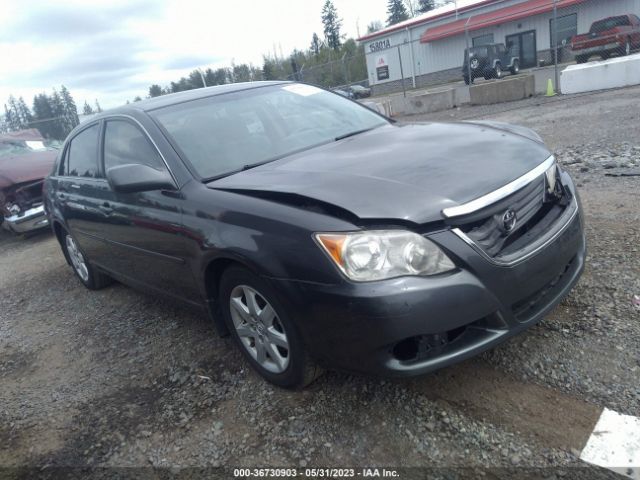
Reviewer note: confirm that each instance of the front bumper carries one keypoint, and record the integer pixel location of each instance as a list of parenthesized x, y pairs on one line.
[(413, 325), (27, 221)]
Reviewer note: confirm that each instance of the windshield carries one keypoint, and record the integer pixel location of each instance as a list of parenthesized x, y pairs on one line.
[(225, 133), (609, 23)]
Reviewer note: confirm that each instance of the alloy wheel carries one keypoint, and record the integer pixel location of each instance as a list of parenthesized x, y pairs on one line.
[(77, 259), (260, 331)]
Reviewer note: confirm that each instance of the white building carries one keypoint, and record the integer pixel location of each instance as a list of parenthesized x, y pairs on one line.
[(430, 49)]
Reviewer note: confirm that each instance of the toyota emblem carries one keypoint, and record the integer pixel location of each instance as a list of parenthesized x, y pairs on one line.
[(509, 220)]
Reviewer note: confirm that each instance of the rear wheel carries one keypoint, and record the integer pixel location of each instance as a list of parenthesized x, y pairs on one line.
[(515, 68), (261, 327), (497, 71), (88, 275)]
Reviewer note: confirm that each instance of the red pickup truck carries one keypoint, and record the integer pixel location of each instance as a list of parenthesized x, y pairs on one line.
[(619, 34)]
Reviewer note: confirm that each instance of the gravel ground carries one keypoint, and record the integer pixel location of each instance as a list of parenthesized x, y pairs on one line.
[(118, 378)]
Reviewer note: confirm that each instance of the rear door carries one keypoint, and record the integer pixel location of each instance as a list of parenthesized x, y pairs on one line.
[(81, 186), (144, 230)]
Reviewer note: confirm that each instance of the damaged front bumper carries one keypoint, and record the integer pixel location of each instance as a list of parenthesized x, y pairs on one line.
[(27, 221)]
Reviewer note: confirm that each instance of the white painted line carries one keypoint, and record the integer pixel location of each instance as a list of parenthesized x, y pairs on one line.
[(615, 444)]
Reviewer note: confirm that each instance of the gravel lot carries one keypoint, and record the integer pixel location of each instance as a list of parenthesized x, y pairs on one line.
[(118, 378)]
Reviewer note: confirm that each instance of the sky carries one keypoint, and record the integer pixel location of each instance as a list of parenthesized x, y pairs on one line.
[(114, 50)]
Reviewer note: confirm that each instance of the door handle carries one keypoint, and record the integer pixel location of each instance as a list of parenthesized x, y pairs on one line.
[(73, 185)]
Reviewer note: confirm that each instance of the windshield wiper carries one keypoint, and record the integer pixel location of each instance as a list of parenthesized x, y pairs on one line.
[(352, 134)]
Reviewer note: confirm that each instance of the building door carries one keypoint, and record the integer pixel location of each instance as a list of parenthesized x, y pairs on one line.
[(524, 46)]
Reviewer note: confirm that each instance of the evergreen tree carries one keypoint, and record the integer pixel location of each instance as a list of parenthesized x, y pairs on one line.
[(98, 109), (12, 123), (315, 44), (87, 110), (137, 98), (14, 120), (43, 115), (59, 127), (155, 90), (425, 6), (267, 70), (332, 24), (69, 111), (24, 113), (397, 12)]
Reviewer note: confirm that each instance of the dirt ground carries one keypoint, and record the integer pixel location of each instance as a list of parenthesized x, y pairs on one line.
[(116, 378)]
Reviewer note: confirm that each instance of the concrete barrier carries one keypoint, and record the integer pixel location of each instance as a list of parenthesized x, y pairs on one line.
[(499, 91), (612, 73), (414, 104)]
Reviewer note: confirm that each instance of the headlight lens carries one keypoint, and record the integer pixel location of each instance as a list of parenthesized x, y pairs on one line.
[(382, 254)]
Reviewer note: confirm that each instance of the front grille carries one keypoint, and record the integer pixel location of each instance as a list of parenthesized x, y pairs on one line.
[(535, 212)]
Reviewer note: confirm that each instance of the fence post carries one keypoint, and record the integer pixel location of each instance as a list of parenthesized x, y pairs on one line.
[(555, 44), (466, 38), (404, 90)]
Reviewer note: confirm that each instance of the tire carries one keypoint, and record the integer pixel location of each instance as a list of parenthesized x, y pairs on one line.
[(515, 69), (264, 331), (86, 273), (497, 71), (581, 59)]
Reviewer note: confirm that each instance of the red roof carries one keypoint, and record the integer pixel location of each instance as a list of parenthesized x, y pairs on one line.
[(425, 18), (495, 17)]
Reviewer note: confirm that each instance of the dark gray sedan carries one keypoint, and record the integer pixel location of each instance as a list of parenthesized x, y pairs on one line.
[(318, 233)]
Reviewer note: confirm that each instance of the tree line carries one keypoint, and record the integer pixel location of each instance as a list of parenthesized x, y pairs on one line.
[(54, 115), (330, 60)]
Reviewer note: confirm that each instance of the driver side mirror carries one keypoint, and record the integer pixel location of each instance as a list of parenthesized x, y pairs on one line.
[(134, 178)]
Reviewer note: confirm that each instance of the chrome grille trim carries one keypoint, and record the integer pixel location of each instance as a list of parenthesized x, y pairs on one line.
[(499, 194), (573, 207)]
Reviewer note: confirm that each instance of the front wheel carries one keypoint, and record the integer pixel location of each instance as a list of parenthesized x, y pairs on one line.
[(88, 275), (263, 330)]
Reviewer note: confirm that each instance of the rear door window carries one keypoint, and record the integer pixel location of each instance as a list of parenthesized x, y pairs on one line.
[(82, 154), (125, 144)]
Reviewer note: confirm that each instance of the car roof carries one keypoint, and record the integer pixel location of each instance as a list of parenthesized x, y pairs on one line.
[(186, 96)]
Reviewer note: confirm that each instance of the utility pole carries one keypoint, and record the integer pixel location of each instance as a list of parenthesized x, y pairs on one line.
[(204, 83)]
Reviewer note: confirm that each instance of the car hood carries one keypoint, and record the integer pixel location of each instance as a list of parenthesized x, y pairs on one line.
[(25, 168), (408, 173)]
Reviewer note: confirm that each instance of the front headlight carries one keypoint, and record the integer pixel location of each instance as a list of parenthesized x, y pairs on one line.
[(382, 254)]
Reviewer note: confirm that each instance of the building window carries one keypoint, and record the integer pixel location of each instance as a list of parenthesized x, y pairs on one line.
[(483, 40), (567, 28)]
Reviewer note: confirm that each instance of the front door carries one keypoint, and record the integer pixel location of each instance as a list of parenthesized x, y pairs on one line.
[(143, 231), (523, 45)]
